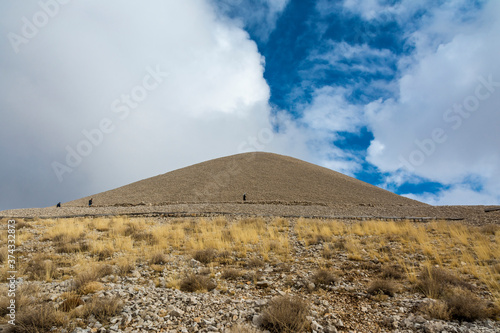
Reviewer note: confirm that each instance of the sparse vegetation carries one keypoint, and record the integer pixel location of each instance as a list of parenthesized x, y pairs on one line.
[(324, 277), (384, 287), (286, 314), (231, 274), (393, 272), (39, 318), (205, 256), (448, 262), (71, 302), (194, 282), (41, 268), (125, 266), (435, 282), (255, 263), (102, 308), (158, 258), (436, 309), (86, 282), (463, 305)]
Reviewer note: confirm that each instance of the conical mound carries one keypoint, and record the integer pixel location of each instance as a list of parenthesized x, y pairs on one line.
[(263, 177)]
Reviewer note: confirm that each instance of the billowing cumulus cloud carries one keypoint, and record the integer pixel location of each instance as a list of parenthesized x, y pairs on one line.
[(442, 126), (94, 95), (103, 94)]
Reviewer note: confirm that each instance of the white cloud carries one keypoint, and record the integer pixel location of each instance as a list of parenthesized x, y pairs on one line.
[(458, 195), (344, 57), (261, 15), (65, 79), (421, 126), (328, 113)]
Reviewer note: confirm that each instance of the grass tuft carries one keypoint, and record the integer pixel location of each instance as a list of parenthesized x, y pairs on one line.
[(71, 302), (39, 318), (382, 287), (194, 282), (231, 274), (205, 256), (286, 314), (102, 308), (324, 277), (463, 305), (434, 282)]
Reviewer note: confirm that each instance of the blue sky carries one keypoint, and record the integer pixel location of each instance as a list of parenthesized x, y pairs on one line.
[(401, 94)]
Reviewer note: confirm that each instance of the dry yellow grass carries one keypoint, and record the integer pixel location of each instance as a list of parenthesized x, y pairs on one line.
[(464, 249), (469, 252)]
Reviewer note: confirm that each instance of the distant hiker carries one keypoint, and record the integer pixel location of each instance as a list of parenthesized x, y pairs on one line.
[(244, 197), (58, 205), (90, 202)]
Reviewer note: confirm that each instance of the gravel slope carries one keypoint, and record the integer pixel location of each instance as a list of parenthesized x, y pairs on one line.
[(264, 177), (469, 214)]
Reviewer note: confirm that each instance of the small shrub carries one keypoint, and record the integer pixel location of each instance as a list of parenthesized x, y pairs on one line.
[(91, 287), (132, 229), (41, 268), (104, 253), (205, 271), (205, 256), (102, 308), (340, 244), (319, 239), (282, 267), (72, 248), (225, 257), (464, 305), (231, 274), (324, 277), (434, 282), (385, 287), (38, 318), (327, 252), (83, 279), (255, 263), (125, 266), (71, 302), (369, 266), (286, 314), (22, 224), (147, 237), (4, 303), (490, 229), (436, 309), (104, 270), (393, 272), (158, 259), (193, 282)]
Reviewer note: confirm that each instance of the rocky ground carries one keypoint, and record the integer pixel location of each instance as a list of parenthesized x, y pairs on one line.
[(469, 214), (345, 307), (152, 302)]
